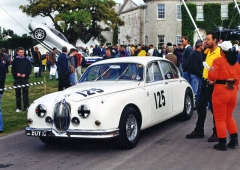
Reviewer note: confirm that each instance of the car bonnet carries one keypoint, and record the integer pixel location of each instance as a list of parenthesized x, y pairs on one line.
[(89, 90)]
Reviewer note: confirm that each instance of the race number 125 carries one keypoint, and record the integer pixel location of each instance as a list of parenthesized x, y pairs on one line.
[(159, 99)]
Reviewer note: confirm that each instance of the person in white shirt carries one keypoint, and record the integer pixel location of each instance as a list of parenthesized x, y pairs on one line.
[(151, 50)]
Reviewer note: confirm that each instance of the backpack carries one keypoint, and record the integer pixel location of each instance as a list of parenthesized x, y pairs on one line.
[(69, 65)]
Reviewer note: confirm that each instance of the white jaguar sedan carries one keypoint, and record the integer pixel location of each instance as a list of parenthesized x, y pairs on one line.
[(114, 98)]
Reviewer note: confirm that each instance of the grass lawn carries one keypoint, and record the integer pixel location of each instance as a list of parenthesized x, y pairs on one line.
[(13, 121)]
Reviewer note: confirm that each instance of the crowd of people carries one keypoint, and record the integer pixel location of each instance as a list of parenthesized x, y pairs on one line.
[(211, 67)]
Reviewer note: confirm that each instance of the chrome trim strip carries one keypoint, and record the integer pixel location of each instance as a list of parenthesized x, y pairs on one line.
[(72, 133)]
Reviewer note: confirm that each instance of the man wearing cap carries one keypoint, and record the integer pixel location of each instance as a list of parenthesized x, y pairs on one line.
[(225, 75), (213, 52)]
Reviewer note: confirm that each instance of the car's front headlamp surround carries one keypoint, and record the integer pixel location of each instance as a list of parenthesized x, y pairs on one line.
[(41, 110), (84, 111)]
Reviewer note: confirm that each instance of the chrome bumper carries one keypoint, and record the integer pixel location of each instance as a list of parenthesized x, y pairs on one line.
[(71, 133)]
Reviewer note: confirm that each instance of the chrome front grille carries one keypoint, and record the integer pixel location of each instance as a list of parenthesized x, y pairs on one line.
[(62, 111)]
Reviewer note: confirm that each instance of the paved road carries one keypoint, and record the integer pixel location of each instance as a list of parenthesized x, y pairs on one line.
[(161, 147)]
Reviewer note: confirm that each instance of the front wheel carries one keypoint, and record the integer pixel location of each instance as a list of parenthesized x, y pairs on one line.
[(188, 106), (129, 128)]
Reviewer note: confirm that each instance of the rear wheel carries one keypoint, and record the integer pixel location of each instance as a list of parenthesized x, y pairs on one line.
[(39, 34), (188, 106), (129, 128)]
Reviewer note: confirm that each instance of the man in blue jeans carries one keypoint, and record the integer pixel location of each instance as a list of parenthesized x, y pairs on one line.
[(2, 81), (195, 68)]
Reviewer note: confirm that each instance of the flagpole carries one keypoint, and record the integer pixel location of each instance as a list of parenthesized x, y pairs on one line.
[(196, 28)]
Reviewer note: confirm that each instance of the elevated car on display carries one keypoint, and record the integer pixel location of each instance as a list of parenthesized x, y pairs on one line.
[(50, 37), (114, 98)]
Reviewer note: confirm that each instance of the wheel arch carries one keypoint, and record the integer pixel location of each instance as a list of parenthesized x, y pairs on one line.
[(139, 115)]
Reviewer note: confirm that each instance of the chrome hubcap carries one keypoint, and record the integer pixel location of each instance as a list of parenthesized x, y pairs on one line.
[(131, 127), (188, 104)]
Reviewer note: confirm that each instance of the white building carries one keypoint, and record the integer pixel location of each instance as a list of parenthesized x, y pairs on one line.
[(158, 22)]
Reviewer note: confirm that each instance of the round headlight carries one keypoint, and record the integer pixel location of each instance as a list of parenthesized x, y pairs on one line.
[(41, 110), (84, 111)]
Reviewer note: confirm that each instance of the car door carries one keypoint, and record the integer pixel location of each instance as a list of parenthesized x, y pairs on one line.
[(171, 79), (159, 92)]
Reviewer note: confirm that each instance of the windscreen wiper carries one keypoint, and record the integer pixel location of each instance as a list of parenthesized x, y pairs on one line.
[(124, 72), (102, 74)]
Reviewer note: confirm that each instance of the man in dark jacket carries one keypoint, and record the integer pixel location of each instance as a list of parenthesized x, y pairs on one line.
[(2, 81), (21, 69), (195, 68), (62, 68), (37, 61), (185, 56)]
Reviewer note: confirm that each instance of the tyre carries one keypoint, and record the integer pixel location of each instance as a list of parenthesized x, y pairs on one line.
[(129, 128), (188, 106), (39, 34)]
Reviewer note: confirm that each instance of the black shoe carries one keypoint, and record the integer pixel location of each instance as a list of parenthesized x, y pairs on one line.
[(1, 131), (194, 135), (221, 144), (233, 141), (213, 138)]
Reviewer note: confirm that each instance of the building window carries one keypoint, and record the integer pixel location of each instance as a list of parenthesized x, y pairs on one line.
[(146, 14), (161, 10), (179, 39), (224, 11), (200, 16), (136, 19), (146, 40), (124, 22), (179, 12), (160, 41)]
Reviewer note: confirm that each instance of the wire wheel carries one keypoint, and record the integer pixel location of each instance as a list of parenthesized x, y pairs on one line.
[(39, 34)]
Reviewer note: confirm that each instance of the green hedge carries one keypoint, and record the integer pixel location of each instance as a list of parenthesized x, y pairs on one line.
[(212, 18), (14, 43)]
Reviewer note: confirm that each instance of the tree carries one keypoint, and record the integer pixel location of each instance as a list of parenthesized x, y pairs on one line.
[(76, 19)]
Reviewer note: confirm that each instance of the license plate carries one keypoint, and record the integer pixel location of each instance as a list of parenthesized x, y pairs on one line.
[(38, 133)]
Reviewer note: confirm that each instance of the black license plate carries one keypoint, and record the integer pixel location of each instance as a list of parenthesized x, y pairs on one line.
[(38, 133)]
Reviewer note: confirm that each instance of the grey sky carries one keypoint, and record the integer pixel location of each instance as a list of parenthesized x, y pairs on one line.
[(9, 9)]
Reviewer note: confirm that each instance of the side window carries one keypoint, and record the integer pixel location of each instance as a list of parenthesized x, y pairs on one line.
[(169, 71), (153, 72)]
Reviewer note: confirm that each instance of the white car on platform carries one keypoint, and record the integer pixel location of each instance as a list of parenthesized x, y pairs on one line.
[(50, 38), (114, 98)]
